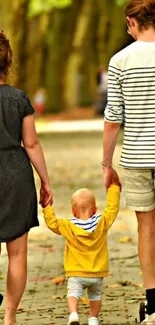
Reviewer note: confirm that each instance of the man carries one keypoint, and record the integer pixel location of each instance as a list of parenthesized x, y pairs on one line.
[(131, 99)]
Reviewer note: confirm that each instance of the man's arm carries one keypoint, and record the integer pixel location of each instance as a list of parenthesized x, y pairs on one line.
[(114, 115), (110, 137)]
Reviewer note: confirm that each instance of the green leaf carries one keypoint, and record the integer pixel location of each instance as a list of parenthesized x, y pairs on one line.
[(121, 2), (37, 7), (61, 3)]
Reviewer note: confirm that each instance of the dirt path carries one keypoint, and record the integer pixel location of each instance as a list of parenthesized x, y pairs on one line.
[(74, 161)]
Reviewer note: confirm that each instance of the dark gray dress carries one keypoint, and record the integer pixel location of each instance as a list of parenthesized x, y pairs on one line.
[(18, 199)]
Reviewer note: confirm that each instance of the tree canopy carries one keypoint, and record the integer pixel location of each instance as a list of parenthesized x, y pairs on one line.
[(37, 7), (59, 45)]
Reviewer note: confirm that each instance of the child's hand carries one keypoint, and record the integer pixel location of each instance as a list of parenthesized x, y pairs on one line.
[(47, 205), (115, 179)]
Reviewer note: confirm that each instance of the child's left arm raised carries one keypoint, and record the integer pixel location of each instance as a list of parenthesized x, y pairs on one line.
[(54, 224)]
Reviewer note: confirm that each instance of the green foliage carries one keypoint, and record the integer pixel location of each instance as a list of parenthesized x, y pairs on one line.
[(39, 6), (121, 2), (64, 42), (61, 3)]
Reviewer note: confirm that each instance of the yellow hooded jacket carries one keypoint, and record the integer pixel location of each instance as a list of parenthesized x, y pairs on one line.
[(86, 253)]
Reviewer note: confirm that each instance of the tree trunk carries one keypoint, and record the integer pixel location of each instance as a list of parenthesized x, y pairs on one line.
[(103, 29), (5, 8), (59, 47), (19, 36), (89, 57), (118, 37), (91, 51), (105, 35), (36, 57)]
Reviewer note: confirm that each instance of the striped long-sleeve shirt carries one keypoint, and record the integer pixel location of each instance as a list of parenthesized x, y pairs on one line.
[(89, 224), (131, 98)]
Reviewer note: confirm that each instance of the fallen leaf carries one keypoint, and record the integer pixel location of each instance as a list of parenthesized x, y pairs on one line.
[(125, 239), (19, 307), (138, 285), (122, 226), (110, 275), (52, 249), (132, 301), (124, 283), (116, 285), (37, 279), (32, 291), (58, 297), (84, 301), (54, 297), (59, 279)]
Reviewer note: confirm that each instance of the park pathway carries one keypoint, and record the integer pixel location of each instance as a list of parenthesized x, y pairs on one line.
[(73, 161)]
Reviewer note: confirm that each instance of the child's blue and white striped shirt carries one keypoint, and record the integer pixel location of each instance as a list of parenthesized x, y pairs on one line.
[(89, 224)]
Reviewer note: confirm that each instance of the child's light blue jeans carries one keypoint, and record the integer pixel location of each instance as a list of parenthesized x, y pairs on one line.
[(77, 285)]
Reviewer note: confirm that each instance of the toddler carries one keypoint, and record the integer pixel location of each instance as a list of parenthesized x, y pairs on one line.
[(86, 252)]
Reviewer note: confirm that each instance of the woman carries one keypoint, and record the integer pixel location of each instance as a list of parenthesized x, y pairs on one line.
[(131, 98), (18, 200)]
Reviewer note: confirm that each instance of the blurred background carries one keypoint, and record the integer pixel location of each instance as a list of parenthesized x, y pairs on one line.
[(61, 52), (62, 49)]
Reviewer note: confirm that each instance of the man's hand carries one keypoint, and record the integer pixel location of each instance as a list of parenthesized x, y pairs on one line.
[(115, 179), (110, 177)]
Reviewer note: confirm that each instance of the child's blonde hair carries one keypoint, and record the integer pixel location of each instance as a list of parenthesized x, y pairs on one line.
[(83, 200)]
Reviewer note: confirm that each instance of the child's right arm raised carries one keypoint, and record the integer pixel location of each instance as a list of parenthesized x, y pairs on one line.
[(112, 205)]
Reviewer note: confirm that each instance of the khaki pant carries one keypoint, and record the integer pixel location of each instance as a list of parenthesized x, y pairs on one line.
[(140, 189)]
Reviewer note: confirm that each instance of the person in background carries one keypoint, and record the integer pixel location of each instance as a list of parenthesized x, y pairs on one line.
[(39, 101), (102, 86)]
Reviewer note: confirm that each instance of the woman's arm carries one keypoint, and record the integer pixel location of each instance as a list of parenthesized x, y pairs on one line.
[(35, 154)]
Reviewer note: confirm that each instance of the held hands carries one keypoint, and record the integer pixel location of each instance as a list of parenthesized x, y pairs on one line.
[(111, 177), (46, 196)]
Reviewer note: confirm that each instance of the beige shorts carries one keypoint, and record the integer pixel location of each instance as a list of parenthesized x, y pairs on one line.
[(140, 189)]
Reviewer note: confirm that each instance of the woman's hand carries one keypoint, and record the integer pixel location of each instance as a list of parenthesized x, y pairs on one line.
[(46, 196)]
